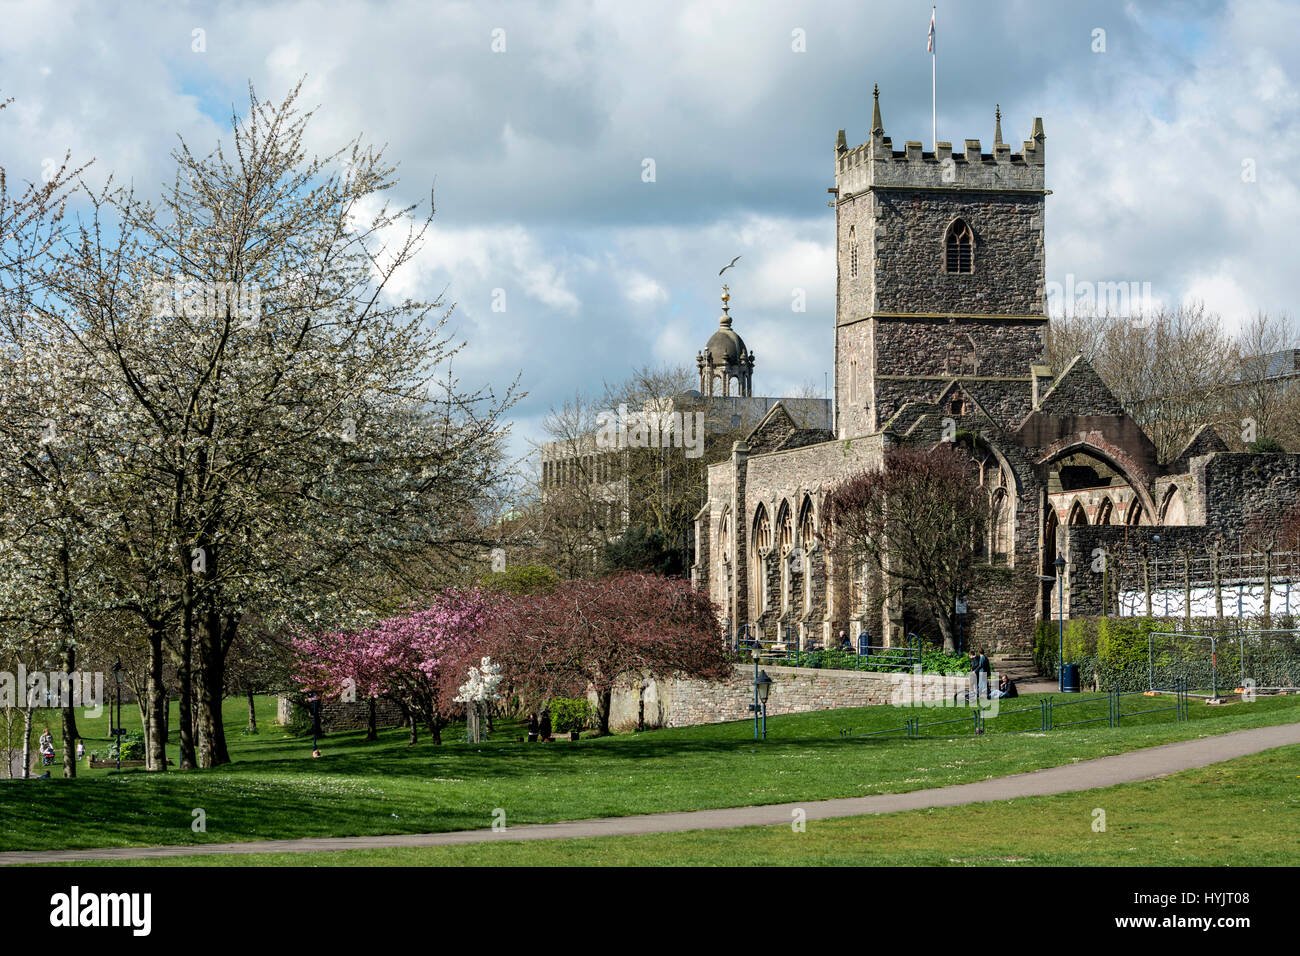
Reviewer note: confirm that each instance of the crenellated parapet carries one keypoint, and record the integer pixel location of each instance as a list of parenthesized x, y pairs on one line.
[(876, 164)]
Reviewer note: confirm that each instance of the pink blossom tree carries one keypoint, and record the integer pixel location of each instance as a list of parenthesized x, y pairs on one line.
[(418, 657)]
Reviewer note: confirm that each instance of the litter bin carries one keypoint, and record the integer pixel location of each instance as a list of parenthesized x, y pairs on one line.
[(1070, 678)]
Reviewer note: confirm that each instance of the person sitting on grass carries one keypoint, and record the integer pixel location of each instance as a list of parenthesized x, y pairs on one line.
[(1006, 687)]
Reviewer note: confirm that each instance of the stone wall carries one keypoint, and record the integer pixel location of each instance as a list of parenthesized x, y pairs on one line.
[(908, 265), (338, 715), (684, 703)]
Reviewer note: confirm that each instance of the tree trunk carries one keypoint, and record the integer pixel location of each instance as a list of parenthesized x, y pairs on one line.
[(408, 717), (185, 714), (252, 713), (155, 706), (27, 740), (211, 690), (947, 632), (603, 703), (372, 732), (69, 719)]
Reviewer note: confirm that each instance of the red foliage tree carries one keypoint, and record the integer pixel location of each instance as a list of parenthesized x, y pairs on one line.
[(917, 521), (599, 633)]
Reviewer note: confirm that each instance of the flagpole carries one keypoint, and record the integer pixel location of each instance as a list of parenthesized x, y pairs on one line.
[(934, 113)]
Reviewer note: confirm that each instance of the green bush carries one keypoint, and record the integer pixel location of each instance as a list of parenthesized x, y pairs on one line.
[(941, 662), (524, 579), (300, 722), (132, 746), (570, 713)]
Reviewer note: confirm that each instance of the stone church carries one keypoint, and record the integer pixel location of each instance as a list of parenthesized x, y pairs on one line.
[(940, 325)]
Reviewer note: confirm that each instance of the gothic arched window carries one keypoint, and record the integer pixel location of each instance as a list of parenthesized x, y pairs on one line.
[(853, 252), (785, 528), (807, 524), (762, 530), (959, 247)]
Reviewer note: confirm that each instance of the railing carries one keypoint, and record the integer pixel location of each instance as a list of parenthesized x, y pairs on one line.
[(862, 656), (1047, 710)]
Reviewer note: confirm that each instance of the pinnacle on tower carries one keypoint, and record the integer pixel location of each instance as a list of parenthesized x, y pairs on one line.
[(876, 125), (724, 320), (997, 125), (841, 144)]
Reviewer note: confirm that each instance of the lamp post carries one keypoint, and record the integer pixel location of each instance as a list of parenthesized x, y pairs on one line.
[(762, 688), (1059, 564), (117, 731)]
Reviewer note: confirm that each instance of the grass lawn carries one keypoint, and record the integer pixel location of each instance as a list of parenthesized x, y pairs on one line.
[(276, 790), (1243, 812)]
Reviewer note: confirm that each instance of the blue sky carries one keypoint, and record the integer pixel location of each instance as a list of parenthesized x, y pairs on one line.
[(538, 151)]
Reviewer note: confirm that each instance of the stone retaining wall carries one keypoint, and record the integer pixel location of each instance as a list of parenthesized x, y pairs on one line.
[(683, 703), (338, 715)]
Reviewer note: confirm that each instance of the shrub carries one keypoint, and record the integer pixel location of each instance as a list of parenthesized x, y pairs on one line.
[(570, 713), (300, 722), (132, 746)]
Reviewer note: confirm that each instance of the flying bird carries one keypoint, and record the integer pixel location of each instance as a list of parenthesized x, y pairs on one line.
[(729, 265)]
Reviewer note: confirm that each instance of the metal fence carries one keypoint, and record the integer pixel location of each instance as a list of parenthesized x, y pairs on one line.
[(1263, 659), (783, 649), (1047, 715)]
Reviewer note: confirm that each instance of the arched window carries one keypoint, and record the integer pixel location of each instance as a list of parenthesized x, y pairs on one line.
[(1136, 515), (785, 528), (1105, 511), (762, 530), (762, 542), (1000, 520), (853, 252), (724, 536), (959, 246), (807, 524)]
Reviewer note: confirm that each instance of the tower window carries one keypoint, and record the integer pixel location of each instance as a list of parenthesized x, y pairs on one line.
[(853, 252), (959, 248)]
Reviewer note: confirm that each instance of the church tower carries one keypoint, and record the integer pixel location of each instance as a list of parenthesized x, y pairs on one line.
[(940, 275)]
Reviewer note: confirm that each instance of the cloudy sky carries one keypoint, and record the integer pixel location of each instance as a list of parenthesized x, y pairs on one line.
[(1173, 146)]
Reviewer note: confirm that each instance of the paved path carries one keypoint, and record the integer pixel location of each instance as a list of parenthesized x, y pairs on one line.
[(1128, 767)]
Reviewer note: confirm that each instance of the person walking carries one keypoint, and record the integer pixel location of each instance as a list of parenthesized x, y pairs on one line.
[(983, 669)]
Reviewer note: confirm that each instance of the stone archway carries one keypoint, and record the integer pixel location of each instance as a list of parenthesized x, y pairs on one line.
[(1081, 470)]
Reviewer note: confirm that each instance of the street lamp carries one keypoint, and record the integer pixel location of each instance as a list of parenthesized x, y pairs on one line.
[(762, 688), (117, 731), (1059, 564)]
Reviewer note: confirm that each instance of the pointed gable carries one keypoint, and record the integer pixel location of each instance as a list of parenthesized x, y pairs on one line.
[(1080, 391), (773, 430)]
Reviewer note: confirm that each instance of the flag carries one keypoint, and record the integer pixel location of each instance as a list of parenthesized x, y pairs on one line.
[(929, 41)]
